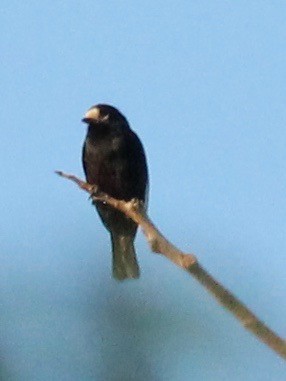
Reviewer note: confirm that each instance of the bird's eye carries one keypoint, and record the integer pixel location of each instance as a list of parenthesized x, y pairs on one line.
[(105, 118)]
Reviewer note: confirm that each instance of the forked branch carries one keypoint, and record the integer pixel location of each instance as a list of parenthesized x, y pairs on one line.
[(159, 244)]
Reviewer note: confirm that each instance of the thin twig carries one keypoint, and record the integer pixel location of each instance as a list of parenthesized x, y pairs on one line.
[(159, 244)]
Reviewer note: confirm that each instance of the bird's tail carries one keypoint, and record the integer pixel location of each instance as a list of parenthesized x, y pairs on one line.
[(125, 264)]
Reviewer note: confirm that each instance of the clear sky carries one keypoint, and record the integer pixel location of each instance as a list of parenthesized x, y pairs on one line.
[(203, 83)]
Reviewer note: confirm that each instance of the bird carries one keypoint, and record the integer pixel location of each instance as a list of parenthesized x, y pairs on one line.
[(114, 160)]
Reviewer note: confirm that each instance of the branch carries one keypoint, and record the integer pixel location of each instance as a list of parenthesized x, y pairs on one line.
[(159, 244)]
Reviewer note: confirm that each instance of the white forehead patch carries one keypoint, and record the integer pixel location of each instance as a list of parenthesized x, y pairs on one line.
[(93, 113)]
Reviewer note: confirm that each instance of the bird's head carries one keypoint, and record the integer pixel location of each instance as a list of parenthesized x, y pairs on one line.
[(104, 114)]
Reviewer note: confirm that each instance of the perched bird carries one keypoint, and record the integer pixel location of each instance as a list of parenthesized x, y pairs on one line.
[(113, 159)]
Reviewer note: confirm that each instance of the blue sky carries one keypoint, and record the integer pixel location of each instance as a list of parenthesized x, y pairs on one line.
[(203, 84)]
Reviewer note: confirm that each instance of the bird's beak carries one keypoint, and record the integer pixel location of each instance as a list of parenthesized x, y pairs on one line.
[(91, 115)]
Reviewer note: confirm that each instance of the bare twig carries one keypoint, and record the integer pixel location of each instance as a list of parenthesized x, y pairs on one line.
[(159, 244)]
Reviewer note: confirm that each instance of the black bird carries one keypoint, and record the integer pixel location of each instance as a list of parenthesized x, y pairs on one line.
[(114, 160)]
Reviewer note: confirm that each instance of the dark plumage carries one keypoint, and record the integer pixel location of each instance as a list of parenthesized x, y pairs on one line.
[(114, 159)]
